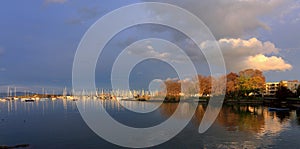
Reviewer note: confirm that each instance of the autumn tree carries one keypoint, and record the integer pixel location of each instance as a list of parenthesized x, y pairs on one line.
[(236, 85), (173, 90), (232, 84), (250, 81), (204, 85), (173, 87)]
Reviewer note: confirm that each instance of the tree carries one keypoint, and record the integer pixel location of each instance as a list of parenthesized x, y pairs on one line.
[(173, 90), (232, 84), (189, 86), (204, 85), (298, 91), (283, 93), (251, 81), (173, 87)]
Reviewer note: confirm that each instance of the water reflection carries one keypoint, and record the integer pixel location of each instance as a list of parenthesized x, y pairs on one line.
[(233, 118), (15, 106), (237, 126), (298, 115), (264, 127), (242, 118)]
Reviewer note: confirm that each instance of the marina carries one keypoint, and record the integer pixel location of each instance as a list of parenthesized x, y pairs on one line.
[(140, 95)]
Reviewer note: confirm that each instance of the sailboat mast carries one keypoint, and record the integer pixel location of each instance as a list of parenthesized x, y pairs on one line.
[(15, 91), (8, 91)]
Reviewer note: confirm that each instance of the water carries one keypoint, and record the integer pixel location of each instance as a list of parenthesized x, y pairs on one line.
[(58, 124)]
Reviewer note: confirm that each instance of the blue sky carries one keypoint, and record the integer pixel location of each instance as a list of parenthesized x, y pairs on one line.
[(38, 39)]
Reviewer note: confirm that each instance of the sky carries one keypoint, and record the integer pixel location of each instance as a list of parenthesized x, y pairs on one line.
[(38, 39)]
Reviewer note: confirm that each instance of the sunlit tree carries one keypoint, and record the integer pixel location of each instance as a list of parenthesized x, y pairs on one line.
[(204, 85), (251, 81)]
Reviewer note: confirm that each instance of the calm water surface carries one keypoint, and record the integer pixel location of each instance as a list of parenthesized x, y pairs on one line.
[(58, 124)]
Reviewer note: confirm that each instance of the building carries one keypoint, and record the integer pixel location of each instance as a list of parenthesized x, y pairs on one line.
[(271, 88)]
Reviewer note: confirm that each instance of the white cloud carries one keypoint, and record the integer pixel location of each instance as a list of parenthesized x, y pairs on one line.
[(240, 48), (241, 54), (265, 63), (238, 54), (229, 21), (55, 1)]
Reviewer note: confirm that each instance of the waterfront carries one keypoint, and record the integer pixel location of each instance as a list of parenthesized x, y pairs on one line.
[(58, 124)]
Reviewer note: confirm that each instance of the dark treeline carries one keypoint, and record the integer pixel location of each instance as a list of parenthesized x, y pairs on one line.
[(283, 92)]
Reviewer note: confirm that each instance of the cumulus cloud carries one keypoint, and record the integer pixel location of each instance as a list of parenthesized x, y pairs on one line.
[(229, 18), (233, 48), (242, 54), (239, 54), (55, 1), (263, 62)]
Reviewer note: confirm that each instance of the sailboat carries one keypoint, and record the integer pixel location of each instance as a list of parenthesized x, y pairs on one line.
[(27, 98), (44, 96), (8, 94), (15, 96)]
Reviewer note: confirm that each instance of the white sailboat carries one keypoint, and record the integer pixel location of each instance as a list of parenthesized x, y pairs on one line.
[(15, 96)]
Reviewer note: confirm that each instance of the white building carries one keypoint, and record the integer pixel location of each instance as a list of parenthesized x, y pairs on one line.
[(271, 88)]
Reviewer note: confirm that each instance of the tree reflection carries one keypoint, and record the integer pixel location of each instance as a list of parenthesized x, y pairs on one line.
[(167, 109), (282, 115), (298, 115), (235, 118), (255, 119), (242, 118), (199, 113)]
